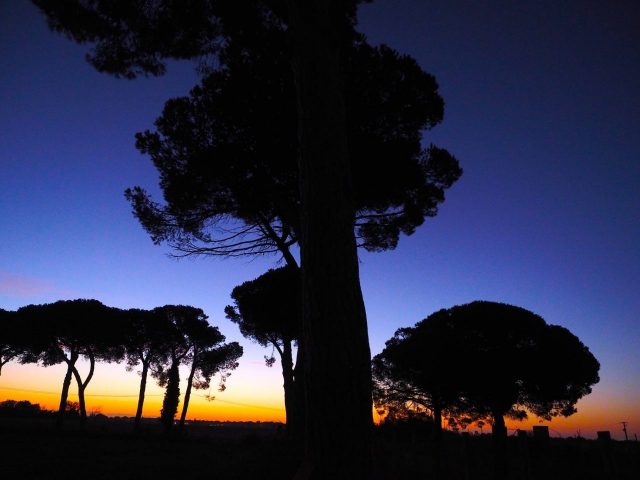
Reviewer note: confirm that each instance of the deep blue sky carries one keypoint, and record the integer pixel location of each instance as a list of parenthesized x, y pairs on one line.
[(542, 110)]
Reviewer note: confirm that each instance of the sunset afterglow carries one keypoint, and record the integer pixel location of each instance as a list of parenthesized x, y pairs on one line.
[(543, 117)]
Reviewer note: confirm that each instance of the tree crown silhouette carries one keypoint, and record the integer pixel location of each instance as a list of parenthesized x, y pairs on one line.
[(489, 359)]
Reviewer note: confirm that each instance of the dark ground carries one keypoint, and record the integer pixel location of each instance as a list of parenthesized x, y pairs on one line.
[(32, 448)]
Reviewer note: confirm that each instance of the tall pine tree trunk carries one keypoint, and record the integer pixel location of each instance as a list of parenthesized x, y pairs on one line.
[(337, 356), (143, 388)]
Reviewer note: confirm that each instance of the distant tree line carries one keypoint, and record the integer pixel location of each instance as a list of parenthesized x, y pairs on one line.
[(22, 408), (159, 341), (479, 362)]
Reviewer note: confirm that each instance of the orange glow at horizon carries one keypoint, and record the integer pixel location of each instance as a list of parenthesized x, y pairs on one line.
[(114, 392), (254, 393), (596, 412)]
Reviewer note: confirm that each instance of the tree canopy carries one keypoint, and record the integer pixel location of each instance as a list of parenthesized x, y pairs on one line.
[(483, 359), (159, 340), (11, 337), (414, 375), (268, 308), (208, 355), (191, 341), (487, 358), (64, 331), (133, 38), (229, 150)]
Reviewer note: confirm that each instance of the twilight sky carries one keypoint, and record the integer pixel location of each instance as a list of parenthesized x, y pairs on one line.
[(542, 110)]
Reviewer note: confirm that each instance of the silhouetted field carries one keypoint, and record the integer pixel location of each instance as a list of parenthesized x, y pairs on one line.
[(106, 448), (32, 448), (469, 457)]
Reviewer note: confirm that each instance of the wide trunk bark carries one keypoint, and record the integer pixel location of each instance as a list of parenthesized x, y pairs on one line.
[(337, 356), (143, 388)]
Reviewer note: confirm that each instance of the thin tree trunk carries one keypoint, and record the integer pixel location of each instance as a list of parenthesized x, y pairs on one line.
[(295, 394), (82, 387), (337, 356), (65, 393), (83, 409), (187, 394), (143, 387), (298, 434), (499, 440), (286, 359)]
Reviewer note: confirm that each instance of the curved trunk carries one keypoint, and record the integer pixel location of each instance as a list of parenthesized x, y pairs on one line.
[(499, 440), (82, 385), (83, 411), (337, 358), (143, 387), (187, 394), (64, 395)]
